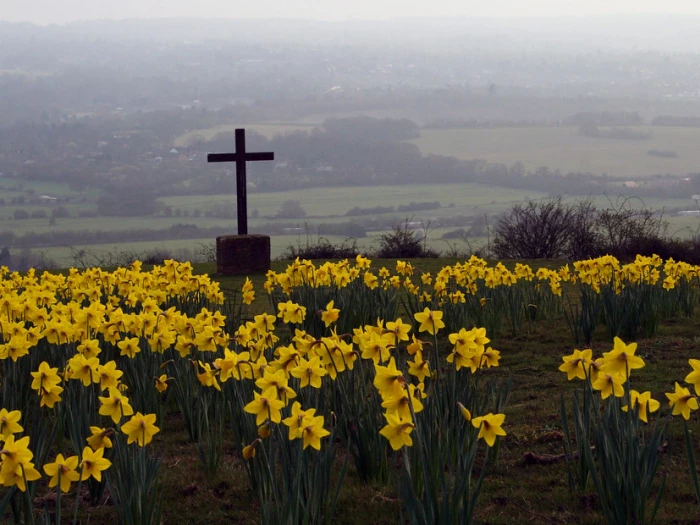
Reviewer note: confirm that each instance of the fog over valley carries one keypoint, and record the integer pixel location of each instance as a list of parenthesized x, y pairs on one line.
[(105, 125)]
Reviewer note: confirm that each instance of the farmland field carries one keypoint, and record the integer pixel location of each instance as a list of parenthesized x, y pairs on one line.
[(326, 202), (558, 148), (564, 149), (324, 206)]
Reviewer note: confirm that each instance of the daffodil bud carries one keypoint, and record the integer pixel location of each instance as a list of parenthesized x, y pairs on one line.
[(465, 412), (249, 451), (264, 430)]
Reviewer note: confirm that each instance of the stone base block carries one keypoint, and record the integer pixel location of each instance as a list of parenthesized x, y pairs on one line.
[(242, 254)]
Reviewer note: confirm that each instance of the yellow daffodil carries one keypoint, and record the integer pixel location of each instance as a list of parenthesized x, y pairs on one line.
[(682, 401), (162, 383), (45, 378), (129, 347), (389, 380), (430, 321), (100, 438), (63, 469), (609, 384), (115, 406), (490, 426), (397, 431), (93, 463), (693, 377), (644, 404), (330, 314), (313, 432), (298, 420), (621, 359), (9, 423), (140, 428), (309, 372), (266, 406), (575, 365)]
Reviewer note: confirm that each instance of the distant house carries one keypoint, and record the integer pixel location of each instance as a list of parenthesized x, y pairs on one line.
[(630, 184), (47, 199), (418, 229)]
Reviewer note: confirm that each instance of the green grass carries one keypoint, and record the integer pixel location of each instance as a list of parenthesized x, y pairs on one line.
[(564, 149), (64, 256), (10, 188)]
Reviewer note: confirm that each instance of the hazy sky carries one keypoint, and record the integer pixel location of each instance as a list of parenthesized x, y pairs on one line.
[(61, 11)]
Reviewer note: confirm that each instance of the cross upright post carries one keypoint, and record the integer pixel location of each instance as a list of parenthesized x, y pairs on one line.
[(241, 157)]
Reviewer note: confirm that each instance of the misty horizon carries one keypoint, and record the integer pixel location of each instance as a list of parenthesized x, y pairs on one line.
[(43, 12), (106, 124)]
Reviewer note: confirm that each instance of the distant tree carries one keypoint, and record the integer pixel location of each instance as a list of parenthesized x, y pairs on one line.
[(60, 213), (367, 129), (21, 214), (5, 256), (128, 204), (291, 210)]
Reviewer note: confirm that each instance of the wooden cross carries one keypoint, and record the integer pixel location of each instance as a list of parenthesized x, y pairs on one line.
[(240, 158)]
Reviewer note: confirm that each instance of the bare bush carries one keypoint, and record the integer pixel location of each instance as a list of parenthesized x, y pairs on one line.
[(535, 230), (402, 242), (552, 229), (624, 229)]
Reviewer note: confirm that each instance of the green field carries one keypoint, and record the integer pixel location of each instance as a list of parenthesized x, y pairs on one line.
[(558, 148), (10, 188), (555, 147), (323, 206), (326, 202), (566, 150)]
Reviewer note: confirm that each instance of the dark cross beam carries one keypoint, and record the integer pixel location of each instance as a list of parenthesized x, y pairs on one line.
[(240, 158)]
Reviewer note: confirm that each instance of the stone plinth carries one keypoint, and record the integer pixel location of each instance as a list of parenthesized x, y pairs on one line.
[(242, 254)]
